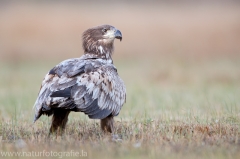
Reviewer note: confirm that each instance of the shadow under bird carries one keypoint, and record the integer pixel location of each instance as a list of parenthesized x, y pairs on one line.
[(89, 84)]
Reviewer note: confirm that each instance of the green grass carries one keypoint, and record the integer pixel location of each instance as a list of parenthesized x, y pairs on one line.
[(174, 109)]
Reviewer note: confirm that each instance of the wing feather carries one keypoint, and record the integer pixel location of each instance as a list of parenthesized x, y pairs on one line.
[(90, 86)]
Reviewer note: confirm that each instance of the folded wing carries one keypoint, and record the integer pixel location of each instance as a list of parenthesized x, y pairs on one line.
[(85, 85)]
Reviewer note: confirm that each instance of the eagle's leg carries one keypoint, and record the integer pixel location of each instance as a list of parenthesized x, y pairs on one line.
[(107, 124), (59, 120)]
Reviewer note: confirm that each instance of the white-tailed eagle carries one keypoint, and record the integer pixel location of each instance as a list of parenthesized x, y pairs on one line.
[(88, 84)]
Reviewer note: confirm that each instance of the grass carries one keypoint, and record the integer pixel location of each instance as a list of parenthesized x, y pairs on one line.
[(164, 116)]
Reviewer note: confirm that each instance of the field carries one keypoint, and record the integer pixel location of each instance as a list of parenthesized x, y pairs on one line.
[(180, 64)]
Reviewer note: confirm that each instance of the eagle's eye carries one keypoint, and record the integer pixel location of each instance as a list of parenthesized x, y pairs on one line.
[(104, 30)]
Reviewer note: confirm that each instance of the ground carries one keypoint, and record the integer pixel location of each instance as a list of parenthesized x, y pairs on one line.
[(183, 85)]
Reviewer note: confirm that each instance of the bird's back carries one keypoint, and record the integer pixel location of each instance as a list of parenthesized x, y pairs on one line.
[(87, 84)]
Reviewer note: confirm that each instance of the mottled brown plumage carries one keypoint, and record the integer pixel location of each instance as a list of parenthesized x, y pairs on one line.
[(88, 84)]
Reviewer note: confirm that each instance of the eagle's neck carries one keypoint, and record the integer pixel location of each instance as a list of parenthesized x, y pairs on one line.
[(100, 50)]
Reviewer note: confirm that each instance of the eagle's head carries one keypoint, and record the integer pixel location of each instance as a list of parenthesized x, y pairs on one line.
[(99, 40)]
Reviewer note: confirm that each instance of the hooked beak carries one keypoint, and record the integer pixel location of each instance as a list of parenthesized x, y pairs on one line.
[(118, 35)]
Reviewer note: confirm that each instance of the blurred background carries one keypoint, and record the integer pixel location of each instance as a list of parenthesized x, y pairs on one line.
[(183, 29), (175, 55)]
